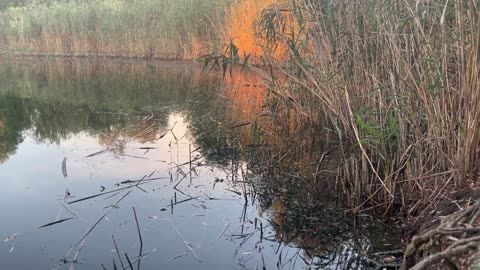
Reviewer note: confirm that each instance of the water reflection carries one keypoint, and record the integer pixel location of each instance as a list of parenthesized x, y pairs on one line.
[(211, 191), (12, 123), (57, 99)]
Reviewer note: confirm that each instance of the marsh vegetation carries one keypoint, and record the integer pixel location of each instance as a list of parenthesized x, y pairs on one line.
[(375, 101)]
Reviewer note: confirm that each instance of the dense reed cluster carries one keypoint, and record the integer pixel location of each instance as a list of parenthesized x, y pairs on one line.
[(133, 28), (397, 83)]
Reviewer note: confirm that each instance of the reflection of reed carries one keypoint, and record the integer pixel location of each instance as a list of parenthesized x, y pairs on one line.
[(143, 132), (115, 98), (323, 233), (291, 188), (155, 28), (293, 203), (223, 120), (96, 82), (245, 95)]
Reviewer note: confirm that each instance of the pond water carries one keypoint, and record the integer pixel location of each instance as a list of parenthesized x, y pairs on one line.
[(83, 143)]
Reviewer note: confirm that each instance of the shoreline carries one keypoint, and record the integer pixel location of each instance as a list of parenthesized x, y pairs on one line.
[(7, 54)]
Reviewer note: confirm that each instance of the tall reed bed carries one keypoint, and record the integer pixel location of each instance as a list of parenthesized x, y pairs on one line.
[(131, 28), (396, 82)]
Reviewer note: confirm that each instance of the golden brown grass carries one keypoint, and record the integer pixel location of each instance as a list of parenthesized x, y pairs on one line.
[(142, 29)]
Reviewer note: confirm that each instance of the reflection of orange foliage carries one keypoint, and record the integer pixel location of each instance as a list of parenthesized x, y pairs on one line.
[(287, 230), (241, 19), (247, 92), (246, 95)]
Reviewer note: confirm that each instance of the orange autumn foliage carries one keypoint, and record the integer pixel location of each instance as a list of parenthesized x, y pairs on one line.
[(241, 20)]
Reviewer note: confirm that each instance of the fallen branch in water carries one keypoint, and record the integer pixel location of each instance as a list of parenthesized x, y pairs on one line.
[(64, 168), (105, 193), (99, 153), (55, 222)]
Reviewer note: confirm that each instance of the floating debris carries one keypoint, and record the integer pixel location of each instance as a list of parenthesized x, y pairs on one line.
[(224, 229), (133, 156), (55, 222), (105, 193), (147, 148), (67, 194), (179, 256), (64, 168), (234, 191), (99, 153), (182, 201), (11, 237), (144, 179)]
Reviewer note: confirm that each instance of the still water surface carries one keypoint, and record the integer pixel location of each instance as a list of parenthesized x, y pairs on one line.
[(70, 129)]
